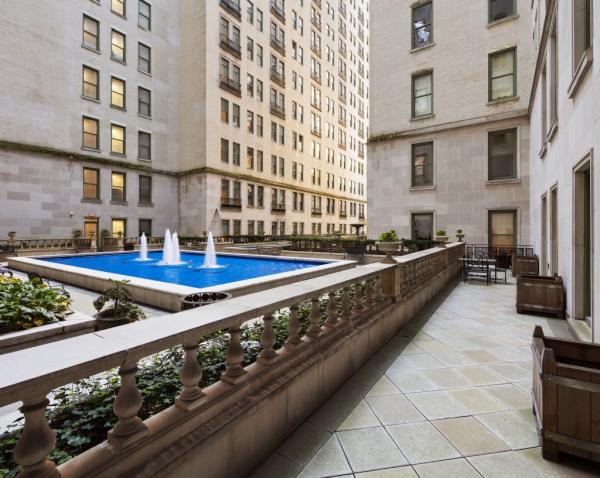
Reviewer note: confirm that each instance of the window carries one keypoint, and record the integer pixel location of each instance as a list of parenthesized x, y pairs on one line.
[(250, 13), (250, 195), (91, 183), (119, 227), (422, 93), (250, 48), (259, 160), (117, 182), (502, 154), (259, 125), (502, 228), (90, 133), (117, 93), (118, 7), (91, 33), (145, 227), (117, 48), (250, 158), (144, 145), (582, 30), (500, 9), (422, 226), (237, 227), (145, 189), (422, 164), (236, 154), (251, 228), (117, 139), (224, 150), (224, 110), (503, 77), (236, 115), (144, 15), (90, 83), (422, 24), (144, 58), (225, 227), (250, 121), (259, 19), (144, 102), (553, 77)]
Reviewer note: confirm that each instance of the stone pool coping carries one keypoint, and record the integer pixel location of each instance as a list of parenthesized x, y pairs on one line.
[(165, 295)]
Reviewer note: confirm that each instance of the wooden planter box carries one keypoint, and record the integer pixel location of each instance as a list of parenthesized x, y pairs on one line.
[(541, 294), (525, 265), (566, 396)]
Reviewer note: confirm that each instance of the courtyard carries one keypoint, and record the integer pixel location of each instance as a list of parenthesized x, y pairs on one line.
[(448, 396)]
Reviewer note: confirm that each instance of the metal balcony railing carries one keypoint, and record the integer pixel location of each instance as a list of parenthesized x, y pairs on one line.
[(278, 44), (231, 203), (316, 211), (230, 84), (232, 7), (278, 12), (278, 207), (278, 110), (278, 77), (231, 46)]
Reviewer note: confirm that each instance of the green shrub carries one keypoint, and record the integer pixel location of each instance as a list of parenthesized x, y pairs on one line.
[(389, 236), (25, 304), (120, 302), (441, 232)]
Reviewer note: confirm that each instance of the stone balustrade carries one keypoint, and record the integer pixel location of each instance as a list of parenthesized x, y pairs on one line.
[(52, 244), (228, 427)]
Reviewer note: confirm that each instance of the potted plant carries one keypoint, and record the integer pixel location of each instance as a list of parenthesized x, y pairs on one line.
[(105, 232), (388, 244), (76, 233), (11, 236), (116, 307), (459, 235), (441, 238)]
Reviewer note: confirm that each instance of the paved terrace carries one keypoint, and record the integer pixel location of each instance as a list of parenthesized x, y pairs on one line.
[(449, 396)]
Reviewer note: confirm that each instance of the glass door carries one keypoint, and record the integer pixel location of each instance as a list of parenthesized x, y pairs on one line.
[(502, 229)]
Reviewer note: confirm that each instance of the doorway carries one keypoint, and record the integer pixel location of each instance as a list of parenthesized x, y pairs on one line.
[(502, 227), (554, 230), (583, 240), (544, 236), (90, 227)]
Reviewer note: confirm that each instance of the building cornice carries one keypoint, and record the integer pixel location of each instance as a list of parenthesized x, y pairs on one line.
[(549, 19), (81, 157), (410, 133)]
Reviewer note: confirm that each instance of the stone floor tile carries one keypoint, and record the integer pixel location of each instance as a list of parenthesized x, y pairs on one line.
[(421, 442), (370, 449), (481, 375), (328, 461), (304, 443), (511, 429), (527, 415), (361, 417), (431, 346), (482, 357), (447, 378), (367, 376), (276, 465), (469, 436), (459, 468), (424, 362), (513, 396), (477, 400), (412, 381), (569, 466), (436, 405), (508, 464), (513, 372), (412, 348), (331, 415), (399, 472), (400, 364), (384, 386), (455, 359), (460, 344), (394, 409), (525, 386), (351, 392)]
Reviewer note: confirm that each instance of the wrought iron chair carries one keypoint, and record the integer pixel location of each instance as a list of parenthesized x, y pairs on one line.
[(477, 267), (37, 278)]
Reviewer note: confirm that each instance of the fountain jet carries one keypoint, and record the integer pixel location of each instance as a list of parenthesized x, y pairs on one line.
[(210, 256), (143, 248), (167, 249)]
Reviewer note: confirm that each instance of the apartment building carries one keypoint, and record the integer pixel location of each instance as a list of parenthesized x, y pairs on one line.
[(565, 138), (449, 138), (131, 116)]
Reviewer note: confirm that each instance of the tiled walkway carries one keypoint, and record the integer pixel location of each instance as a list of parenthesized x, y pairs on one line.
[(449, 396)]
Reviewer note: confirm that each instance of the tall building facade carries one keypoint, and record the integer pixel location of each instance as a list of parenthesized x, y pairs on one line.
[(565, 140), (449, 138), (131, 116)]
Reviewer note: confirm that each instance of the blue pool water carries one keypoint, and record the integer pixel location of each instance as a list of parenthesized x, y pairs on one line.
[(235, 268)]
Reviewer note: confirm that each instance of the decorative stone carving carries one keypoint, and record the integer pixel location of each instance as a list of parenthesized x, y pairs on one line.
[(191, 396), (235, 372)]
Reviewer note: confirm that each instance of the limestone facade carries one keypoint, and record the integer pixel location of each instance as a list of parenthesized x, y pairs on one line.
[(44, 100), (456, 48)]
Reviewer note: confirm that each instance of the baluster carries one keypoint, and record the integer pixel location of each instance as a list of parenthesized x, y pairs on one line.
[(36, 441), (332, 320), (358, 299), (314, 317), (130, 428), (267, 339), (377, 292), (293, 329), (191, 395), (346, 306), (235, 372), (369, 294)]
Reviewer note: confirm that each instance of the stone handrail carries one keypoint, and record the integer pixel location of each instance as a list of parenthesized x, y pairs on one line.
[(20, 244), (72, 359)]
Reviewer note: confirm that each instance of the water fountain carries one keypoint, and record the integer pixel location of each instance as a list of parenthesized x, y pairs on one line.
[(143, 248), (167, 249), (210, 255), (175, 253)]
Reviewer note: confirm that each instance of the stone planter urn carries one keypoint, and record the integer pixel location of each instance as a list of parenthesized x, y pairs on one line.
[(441, 239), (388, 248), (460, 235)]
